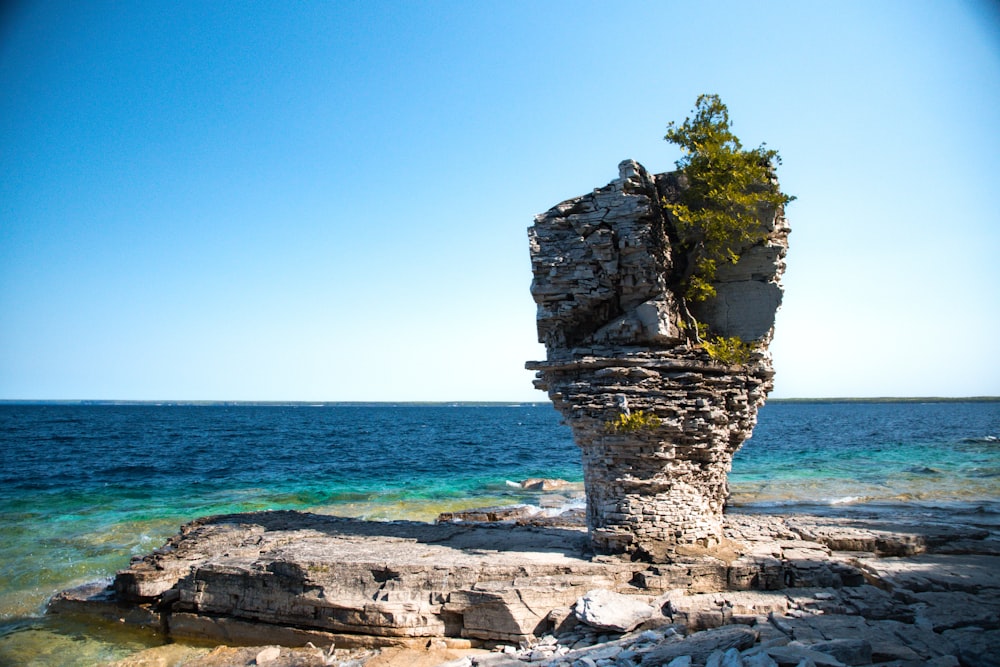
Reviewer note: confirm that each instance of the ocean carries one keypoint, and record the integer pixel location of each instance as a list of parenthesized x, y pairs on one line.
[(85, 487)]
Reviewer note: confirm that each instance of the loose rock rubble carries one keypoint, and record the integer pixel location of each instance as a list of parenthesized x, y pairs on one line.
[(921, 605), (820, 627)]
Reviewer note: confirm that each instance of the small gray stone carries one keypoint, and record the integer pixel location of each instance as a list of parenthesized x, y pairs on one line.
[(728, 658), (540, 654), (497, 660), (759, 660), (848, 651), (627, 656), (732, 658), (943, 661), (604, 651), (794, 655)]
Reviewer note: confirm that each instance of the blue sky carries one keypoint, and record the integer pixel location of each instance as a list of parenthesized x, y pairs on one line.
[(328, 201)]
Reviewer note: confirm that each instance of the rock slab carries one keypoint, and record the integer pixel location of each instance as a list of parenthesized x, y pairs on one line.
[(608, 610)]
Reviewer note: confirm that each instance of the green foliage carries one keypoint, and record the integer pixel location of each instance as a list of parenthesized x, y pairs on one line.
[(728, 190), (633, 421), (729, 350)]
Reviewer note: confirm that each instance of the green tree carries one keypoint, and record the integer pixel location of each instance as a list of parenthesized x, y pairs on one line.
[(728, 190)]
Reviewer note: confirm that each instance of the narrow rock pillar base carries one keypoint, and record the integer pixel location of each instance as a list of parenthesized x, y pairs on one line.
[(661, 487)]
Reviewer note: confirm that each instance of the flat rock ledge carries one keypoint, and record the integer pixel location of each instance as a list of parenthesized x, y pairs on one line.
[(780, 590)]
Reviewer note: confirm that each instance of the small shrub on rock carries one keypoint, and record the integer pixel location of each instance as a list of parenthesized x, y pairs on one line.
[(632, 421), (728, 189), (730, 350)]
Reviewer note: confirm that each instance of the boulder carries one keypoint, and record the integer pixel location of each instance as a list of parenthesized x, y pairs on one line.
[(543, 484), (612, 611)]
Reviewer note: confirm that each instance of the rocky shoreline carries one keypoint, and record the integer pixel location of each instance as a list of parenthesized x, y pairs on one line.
[(780, 590)]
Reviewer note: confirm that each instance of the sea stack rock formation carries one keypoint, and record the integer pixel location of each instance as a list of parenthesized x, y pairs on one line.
[(621, 341)]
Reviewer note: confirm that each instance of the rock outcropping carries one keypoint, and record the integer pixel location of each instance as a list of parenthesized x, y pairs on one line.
[(620, 338), (916, 590)]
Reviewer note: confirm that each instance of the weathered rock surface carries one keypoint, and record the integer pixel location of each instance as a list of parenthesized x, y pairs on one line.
[(618, 334), (289, 578), (607, 610), (398, 579), (701, 646), (543, 484)]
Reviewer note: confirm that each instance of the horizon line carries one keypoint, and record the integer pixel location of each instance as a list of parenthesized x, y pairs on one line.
[(307, 403)]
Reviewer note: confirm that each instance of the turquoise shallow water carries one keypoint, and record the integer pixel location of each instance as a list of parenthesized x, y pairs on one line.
[(920, 454), (83, 488)]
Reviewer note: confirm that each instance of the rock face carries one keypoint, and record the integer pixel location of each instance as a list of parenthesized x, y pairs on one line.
[(618, 338)]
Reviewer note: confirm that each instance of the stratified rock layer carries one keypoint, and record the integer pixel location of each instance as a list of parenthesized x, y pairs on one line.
[(349, 577), (916, 588), (613, 323)]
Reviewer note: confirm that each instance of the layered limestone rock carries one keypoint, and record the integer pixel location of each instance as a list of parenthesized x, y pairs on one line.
[(349, 577), (620, 338), (291, 578)]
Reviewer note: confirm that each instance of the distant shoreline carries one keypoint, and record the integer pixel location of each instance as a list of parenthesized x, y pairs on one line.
[(891, 399), (484, 404)]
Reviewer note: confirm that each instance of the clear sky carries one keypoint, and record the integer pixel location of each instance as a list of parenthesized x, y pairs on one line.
[(328, 200)]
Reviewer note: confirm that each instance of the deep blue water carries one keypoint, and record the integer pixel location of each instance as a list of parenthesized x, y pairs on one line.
[(318, 455), (82, 488)]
